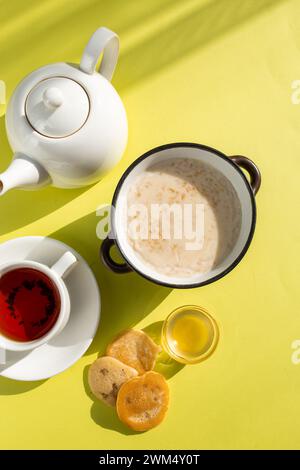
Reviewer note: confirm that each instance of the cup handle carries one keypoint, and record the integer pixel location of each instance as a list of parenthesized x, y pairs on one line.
[(119, 268), (64, 265), (106, 41), (251, 168), (2, 356)]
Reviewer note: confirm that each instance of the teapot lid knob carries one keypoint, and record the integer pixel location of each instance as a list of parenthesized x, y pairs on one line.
[(57, 107), (53, 97)]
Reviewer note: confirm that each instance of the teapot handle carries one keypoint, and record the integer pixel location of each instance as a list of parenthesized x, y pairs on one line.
[(106, 41)]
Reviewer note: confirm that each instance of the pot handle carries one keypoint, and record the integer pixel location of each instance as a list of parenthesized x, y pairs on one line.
[(119, 268), (251, 168), (106, 41)]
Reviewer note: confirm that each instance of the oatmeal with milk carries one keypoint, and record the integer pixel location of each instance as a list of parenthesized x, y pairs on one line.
[(207, 202)]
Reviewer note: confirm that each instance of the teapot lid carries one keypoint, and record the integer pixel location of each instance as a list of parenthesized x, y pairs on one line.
[(57, 107)]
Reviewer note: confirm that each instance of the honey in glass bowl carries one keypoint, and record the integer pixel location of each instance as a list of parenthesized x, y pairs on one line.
[(190, 334)]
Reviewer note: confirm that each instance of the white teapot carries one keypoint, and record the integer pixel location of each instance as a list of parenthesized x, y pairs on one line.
[(66, 123)]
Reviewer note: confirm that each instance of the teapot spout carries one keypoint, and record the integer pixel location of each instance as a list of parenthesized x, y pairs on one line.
[(23, 173)]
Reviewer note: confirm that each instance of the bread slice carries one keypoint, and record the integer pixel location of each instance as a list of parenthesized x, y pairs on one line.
[(136, 349), (105, 377), (143, 401)]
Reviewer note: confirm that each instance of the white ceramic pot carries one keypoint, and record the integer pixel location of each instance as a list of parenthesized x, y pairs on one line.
[(230, 167), (65, 122)]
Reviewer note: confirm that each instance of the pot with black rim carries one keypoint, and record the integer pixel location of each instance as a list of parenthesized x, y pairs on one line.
[(230, 167)]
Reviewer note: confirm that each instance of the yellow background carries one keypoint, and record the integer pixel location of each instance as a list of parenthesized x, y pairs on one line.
[(215, 72)]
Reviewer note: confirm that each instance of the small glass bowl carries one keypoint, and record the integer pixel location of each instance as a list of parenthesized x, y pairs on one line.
[(196, 327)]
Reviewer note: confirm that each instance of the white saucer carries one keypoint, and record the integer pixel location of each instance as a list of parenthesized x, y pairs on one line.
[(65, 349)]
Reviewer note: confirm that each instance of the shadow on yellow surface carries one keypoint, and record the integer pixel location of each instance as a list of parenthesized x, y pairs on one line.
[(165, 365), (125, 298), (104, 415), (53, 30), (19, 208), (14, 387), (204, 24), (56, 30)]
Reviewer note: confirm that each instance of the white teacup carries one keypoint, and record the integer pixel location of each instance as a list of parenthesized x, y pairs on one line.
[(56, 274)]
